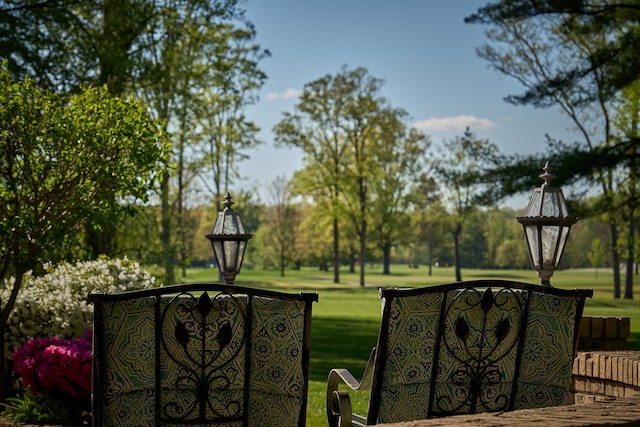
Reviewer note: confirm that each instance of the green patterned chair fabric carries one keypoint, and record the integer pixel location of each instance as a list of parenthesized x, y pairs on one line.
[(201, 354), (467, 347)]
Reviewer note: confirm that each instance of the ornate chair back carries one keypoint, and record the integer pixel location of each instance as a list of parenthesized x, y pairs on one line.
[(201, 354), (475, 346)]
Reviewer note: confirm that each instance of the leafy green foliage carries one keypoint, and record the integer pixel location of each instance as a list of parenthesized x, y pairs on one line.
[(616, 58), (195, 63), (360, 157), (63, 160), (32, 409), (462, 174)]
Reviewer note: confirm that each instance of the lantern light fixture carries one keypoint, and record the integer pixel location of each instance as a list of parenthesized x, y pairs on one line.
[(229, 240), (546, 223)]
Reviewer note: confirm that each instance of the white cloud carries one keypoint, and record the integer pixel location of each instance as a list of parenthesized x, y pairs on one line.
[(444, 124), (289, 93)]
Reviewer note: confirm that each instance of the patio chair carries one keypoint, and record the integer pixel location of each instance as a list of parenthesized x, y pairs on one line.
[(201, 354), (467, 347)]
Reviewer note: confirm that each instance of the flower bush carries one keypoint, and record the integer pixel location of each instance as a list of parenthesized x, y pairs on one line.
[(55, 304), (56, 367)]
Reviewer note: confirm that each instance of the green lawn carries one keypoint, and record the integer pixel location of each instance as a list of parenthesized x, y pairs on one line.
[(346, 318)]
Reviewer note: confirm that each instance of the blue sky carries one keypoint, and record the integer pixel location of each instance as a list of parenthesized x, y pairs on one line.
[(423, 51)]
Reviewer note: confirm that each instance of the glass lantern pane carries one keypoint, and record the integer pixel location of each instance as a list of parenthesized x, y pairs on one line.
[(563, 239), (549, 237), (230, 226), (531, 233), (239, 225), (218, 226), (241, 249), (564, 212), (550, 206), (230, 255), (218, 252), (533, 209)]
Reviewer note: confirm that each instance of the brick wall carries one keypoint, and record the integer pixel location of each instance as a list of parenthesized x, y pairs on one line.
[(604, 333), (600, 374), (603, 368)]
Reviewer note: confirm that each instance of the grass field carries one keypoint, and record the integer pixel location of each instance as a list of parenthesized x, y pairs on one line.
[(346, 318)]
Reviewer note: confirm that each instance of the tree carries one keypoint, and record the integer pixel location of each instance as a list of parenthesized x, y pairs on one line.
[(326, 124), (280, 234), (339, 123), (616, 58), (426, 211), (62, 160), (626, 126), (597, 254), (577, 56), (461, 171), (398, 160), (200, 78), (511, 254), (193, 61)]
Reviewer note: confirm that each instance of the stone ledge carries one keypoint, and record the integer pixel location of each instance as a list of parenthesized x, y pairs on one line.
[(611, 412), (8, 423)]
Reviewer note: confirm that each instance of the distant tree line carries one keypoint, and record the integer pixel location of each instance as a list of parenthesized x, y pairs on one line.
[(290, 233)]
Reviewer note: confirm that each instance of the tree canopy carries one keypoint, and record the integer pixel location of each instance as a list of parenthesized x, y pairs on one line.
[(616, 57), (579, 56), (63, 160), (358, 150)]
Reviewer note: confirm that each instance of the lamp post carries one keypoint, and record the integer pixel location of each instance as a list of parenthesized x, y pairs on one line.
[(229, 241), (546, 223)]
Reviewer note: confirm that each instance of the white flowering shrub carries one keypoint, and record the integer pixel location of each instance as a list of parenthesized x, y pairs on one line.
[(55, 304)]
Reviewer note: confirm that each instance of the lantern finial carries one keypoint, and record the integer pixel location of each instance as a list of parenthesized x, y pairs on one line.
[(227, 203), (547, 176)]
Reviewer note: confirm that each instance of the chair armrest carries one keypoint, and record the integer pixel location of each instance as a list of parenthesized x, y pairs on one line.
[(339, 412)]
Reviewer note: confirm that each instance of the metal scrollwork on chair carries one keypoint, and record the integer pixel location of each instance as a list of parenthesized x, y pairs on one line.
[(484, 335), (205, 350)]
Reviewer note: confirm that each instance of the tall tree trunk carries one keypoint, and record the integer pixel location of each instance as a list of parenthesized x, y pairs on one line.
[(363, 251), (4, 318), (615, 260), (282, 262), (180, 216), (113, 57), (165, 233), (100, 241), (362, 196), (430, 249), (628, 288), (386, 261), (456, 246), (336, 252), (352, 259)]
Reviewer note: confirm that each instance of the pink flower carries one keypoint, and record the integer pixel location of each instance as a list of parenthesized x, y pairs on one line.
[(53, 366)]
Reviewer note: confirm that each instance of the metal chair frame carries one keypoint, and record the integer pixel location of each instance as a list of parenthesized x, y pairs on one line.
[(481, 371)]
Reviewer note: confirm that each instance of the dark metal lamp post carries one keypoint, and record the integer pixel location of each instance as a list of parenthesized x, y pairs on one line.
[(546, 224), (229, 241)]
